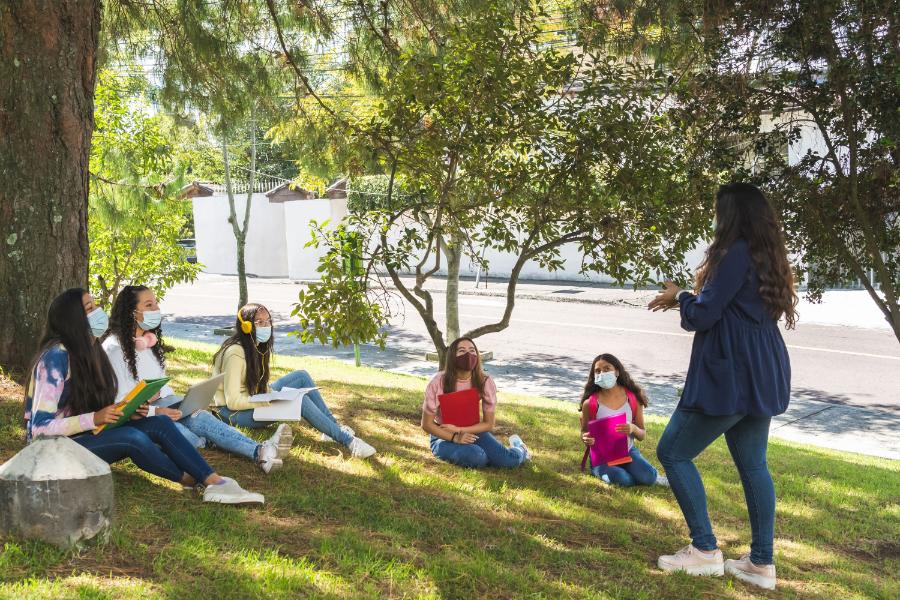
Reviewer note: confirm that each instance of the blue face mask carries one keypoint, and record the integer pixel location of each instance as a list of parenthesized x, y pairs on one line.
[(263, 334), (98, 321), (605, 380), (152, 319)]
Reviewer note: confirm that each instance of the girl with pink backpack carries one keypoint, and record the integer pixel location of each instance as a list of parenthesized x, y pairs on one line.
[(610, 391)]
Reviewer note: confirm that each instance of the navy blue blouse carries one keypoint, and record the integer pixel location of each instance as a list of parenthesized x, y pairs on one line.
[(739, 363)]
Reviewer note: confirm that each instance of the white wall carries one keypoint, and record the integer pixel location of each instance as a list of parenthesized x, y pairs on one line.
[(266, 252), (302, 262)]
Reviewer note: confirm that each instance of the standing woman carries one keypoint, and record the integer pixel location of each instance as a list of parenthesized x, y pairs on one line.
[(739, 377)]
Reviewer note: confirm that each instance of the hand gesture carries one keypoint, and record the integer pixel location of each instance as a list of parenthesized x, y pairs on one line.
[(141, 412), (666, 299), (628, 428), (106, 415), (466, 438), (172, 413), (587, 439)]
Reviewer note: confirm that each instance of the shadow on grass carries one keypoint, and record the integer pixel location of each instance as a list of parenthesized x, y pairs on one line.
[(404, 523)]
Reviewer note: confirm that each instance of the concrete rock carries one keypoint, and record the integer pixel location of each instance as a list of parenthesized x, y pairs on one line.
[(56, 491)]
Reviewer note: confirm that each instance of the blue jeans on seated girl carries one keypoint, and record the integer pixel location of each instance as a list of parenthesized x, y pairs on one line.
[(202, 428), (483, 452), (637, 472), (313, 409), (153, 444), (687, 435)]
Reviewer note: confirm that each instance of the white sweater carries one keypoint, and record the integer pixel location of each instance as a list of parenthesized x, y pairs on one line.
[(145, 361)]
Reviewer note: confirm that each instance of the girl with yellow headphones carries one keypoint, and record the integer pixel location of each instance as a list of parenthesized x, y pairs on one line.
[(244, 360)]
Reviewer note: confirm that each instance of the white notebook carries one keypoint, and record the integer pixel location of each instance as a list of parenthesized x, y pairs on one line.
[(284, 405)]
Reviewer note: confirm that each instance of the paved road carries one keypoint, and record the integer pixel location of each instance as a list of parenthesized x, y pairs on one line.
[(842, 376)]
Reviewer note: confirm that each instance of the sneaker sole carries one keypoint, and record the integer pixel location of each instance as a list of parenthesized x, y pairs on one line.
[(698, 570), (276, 464), (230, 500), (766, 583)]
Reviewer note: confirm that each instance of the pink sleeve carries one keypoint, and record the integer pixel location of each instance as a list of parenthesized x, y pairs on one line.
[(432, 391), (489, 402)]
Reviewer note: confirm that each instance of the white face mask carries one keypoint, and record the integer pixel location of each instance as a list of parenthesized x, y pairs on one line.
[(605, 380), (151, 320)]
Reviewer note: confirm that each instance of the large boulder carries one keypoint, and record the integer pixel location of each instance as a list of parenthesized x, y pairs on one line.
[(56, 491)]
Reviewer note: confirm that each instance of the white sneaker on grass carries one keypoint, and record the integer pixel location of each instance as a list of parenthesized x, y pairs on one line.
[(662, 480), (693, 561), (744, 569), (282, 439), (268, 459), (345, 428), (230, 492), (360, 449), (516, 442)]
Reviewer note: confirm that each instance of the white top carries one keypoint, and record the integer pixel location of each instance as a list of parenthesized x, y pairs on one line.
[(145, 361)]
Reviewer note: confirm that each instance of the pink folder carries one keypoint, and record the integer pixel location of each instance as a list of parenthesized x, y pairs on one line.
[(610, 447)]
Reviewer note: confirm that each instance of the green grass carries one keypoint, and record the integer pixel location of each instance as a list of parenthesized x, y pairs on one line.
[(407, 525)]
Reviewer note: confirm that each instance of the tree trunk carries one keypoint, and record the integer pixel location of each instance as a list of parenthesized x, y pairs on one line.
[(454, 258), (241, 271), (47, 69)]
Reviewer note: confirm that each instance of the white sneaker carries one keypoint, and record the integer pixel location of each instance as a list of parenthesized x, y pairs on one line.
[(283, 439), (516, 442), (268, 459), (693, 562), (230, 493), (360, 449), (662, 480), (345, 428), (744, 569)]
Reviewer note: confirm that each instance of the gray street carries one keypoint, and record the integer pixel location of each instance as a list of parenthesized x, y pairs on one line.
[(846, 380)]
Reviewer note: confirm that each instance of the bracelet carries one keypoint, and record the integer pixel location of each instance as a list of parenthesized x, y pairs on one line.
[(453, 437)]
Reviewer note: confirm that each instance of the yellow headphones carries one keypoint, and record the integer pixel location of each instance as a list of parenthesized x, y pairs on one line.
[(246, 326)]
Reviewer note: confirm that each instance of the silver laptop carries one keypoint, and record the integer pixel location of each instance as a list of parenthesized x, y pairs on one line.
[(200, 396)]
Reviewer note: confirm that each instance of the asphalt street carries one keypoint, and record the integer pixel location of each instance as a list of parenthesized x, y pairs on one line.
[(845, 380)]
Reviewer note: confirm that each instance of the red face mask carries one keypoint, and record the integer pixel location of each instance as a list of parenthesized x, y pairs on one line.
[(466, 362)]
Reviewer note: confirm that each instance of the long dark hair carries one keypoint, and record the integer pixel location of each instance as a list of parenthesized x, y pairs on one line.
[(256, 355), (743, 212), (92, 381), (122, 324), (450, 369), (624, 379)]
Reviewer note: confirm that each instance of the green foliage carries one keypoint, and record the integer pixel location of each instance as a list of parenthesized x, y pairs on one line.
[(135, 215), (757, 80), (336, 309), (479, 115)]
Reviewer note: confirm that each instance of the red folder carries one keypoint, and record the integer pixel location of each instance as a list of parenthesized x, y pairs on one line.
[(461, 408)]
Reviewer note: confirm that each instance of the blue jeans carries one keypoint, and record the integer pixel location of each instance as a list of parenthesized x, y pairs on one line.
[(483, 452), (313, 409), (203, 426), (153, 444), (637, 472), (686, 436)]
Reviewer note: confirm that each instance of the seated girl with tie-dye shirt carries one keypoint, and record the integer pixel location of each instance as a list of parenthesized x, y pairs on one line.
[(70, 392)]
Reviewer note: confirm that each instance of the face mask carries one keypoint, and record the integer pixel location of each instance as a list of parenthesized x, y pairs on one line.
[(606, 380), (152, 319), (98, 321), (466, 362), (263, 334)]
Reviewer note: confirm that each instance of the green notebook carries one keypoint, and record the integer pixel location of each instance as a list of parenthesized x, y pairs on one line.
[(142, 392)]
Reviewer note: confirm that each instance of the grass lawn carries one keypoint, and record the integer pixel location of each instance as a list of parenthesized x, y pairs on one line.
[(406, 525)]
